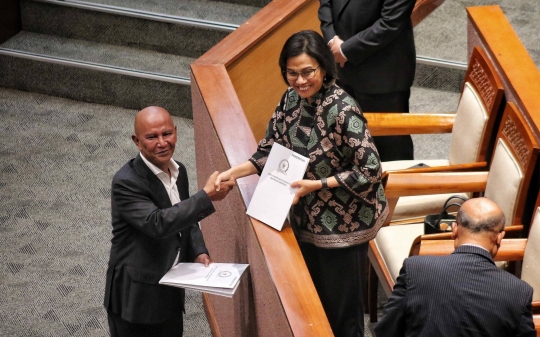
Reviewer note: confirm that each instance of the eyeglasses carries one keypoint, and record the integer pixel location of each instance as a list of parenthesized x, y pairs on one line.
[(306, 73)]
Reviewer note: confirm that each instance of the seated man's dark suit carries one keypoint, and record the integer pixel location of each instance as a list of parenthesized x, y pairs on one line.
[(462, 294), (145, 243)]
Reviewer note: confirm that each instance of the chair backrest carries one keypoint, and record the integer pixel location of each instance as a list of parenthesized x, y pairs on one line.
[(512, 165), (480, 102), (530, 271)]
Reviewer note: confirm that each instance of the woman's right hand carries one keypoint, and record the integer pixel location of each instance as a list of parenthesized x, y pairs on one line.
[(224, 176), (217, 194)]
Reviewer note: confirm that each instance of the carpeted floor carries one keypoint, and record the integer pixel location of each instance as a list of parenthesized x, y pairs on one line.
[(58, 157)]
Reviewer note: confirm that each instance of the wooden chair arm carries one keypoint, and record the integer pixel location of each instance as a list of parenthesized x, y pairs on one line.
[(387, 124), (399, 184), (482, 165), (417, 243), (513, 232), (536, 320), (510, 249), (536, 307), (379, 266)]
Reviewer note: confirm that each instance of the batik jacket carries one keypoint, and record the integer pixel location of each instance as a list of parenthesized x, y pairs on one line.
[(333, 134)]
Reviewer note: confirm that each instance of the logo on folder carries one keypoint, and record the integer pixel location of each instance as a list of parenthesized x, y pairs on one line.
[(283, 166)]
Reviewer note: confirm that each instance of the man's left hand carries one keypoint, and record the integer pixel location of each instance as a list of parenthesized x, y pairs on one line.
[(336, 50), (204, 259)]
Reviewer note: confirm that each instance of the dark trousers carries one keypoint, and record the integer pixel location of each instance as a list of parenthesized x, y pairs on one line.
[(339, 277), (118, 327), (389, 147)]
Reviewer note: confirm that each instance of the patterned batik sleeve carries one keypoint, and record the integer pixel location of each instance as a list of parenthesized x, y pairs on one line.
[(361, 163), (273, 133)]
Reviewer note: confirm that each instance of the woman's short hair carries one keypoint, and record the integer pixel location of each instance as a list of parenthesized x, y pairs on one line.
[(312, 44)]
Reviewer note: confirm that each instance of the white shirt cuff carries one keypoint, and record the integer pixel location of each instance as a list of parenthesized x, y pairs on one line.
[(341, 51)]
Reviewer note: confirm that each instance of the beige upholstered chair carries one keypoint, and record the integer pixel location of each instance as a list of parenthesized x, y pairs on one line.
[(506, 183), (472, 133)]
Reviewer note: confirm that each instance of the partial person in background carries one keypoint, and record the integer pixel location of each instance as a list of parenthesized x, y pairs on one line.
[(462, 294), (340, 205), (154, 226), (373, 43)]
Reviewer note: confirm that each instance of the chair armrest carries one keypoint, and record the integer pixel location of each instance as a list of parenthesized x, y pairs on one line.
[(417, 243), (399, 184), (482, 165), (513, 232), (510, 249), (388, 124), (536, 320), (536, 307), (379, 266)]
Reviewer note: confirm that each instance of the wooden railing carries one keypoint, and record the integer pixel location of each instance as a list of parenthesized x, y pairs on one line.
[(235, 87)]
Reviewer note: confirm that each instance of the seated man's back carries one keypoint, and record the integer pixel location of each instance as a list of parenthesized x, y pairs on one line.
[(462, 294)]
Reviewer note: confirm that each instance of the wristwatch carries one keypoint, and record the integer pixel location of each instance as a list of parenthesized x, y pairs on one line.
[(324, 183)]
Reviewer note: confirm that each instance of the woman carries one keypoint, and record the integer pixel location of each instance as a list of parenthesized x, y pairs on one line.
[(340, 205)]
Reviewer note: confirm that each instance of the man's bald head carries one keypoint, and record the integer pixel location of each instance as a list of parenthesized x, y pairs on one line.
[(149, 114), (155, 135), (480, 221), (481, 215)]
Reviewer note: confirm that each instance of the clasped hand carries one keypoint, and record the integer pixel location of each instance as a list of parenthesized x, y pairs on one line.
[(335, 47), (220, 190), (224, 181)]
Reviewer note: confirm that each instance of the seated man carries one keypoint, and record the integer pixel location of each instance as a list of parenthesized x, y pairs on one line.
[(462, 294)]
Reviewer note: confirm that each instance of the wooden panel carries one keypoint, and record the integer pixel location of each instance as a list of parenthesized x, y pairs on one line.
[(423, 8), (287, 267), (225, 111), (254, 30), (260, 91), (482, 76), (524, 147), (504, 47), (236, 316)]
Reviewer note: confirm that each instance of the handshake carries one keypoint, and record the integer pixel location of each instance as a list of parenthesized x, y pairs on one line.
[(218, 186)]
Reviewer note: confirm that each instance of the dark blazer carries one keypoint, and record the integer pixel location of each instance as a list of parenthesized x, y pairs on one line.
[(378, 42), (145, 242), (462, 294)]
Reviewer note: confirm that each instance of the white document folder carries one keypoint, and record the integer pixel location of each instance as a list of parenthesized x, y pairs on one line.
[(218, 278), (273, 195)]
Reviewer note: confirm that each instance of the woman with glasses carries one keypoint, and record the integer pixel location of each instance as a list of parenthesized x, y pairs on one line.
[(340, 204)]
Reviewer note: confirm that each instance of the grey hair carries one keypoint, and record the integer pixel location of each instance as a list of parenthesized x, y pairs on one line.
[(494, 223)]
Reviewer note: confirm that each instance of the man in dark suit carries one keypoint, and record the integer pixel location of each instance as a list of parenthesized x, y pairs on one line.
[(462, 294), (373, 42), (154, 226)]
